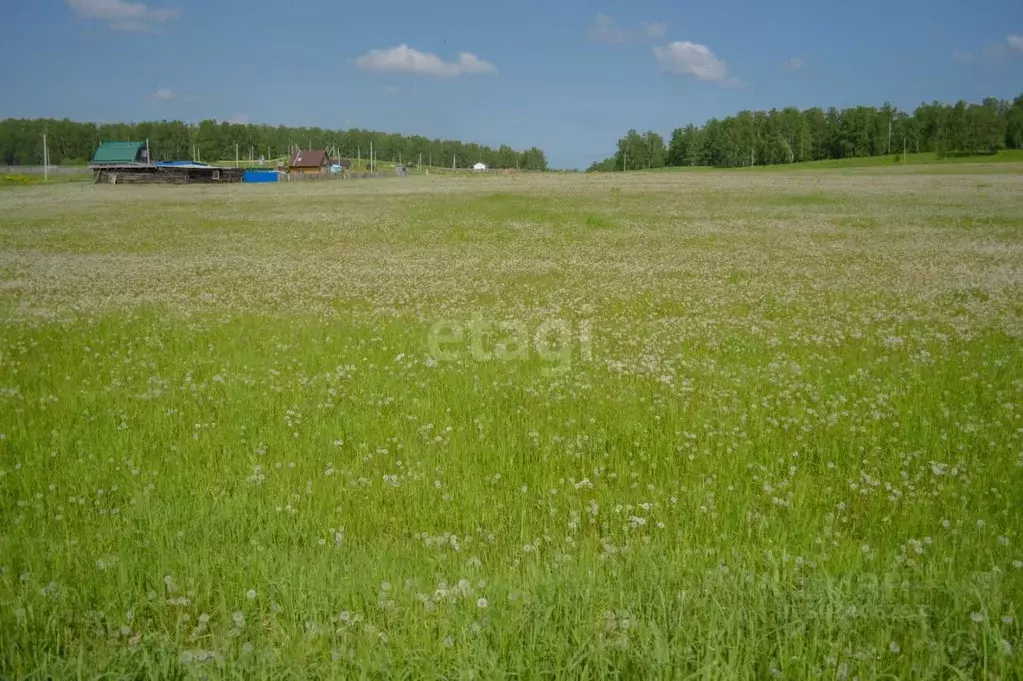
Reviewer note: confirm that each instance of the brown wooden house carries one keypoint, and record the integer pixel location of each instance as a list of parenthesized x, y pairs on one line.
[(313, 162)]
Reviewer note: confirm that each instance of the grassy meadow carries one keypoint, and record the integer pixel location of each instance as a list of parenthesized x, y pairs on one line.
[(896, 162), (717, 425)]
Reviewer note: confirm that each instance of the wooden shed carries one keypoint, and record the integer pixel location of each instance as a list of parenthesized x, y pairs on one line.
[(311, 162)]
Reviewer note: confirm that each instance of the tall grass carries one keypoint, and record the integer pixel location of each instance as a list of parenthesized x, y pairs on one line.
[(679, 426)]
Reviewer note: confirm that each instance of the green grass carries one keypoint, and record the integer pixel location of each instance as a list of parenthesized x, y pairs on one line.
[(633, 426), (19, 180), (892, 162)]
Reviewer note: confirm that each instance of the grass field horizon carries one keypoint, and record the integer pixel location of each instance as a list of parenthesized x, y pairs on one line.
[(645, 425), (984, 163)]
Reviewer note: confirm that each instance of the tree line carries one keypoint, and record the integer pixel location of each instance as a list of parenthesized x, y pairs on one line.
[(21, 143), (790, 135)]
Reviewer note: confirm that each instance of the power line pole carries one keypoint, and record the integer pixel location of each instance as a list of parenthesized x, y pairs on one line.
[(236, 155), (46, 160)]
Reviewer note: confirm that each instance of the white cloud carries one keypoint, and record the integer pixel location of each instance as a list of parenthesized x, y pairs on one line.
[(605, 30), (655, 29), (404, 59), (691, 59), (164, 94), (122, 15), (961, 55), (794, 64), (241, 119), (1016, 42)]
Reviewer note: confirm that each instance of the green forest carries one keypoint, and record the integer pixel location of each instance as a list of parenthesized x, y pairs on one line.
[(21, 143), (790, 135)]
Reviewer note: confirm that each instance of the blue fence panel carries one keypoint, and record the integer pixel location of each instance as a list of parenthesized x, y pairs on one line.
[(258, 176)]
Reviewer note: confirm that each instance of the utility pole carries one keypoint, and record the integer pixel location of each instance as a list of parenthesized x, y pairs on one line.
[(889, 134), (149, 158), (46, 160), (358, 156), (371, 155), (625, 161), (236, 163)]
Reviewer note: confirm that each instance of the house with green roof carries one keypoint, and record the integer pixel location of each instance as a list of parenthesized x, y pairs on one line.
[(120, 153)]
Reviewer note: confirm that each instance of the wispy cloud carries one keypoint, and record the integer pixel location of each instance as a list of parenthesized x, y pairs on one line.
[(241, 119), (122, 15), (684, 58), (167, 94), (605, 30), (657, 29), (404, 59), (1000, 50), (794, 64), (995, 51), (961, 55)]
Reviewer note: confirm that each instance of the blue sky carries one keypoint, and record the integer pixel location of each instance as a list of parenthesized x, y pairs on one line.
[(568, 76)]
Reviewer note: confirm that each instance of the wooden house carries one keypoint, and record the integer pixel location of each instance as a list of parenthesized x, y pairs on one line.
[(312, 162)]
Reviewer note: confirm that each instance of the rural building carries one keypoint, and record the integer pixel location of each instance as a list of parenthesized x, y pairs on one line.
[(128, 163), (169, 172), (312, 162), (341, 165), (479, 167), (120, 153)]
